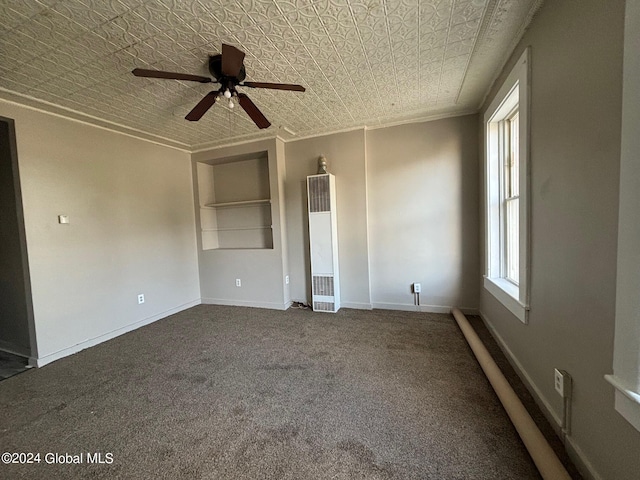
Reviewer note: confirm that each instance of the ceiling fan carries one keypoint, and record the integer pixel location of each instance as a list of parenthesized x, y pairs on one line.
[(228, 70)]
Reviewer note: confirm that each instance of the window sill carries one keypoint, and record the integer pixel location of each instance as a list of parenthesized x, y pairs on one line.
[(627, 400), (507, 294)]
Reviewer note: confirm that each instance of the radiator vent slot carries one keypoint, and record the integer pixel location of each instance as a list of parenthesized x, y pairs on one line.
[(323, 285), (323, 306), (319, 196)]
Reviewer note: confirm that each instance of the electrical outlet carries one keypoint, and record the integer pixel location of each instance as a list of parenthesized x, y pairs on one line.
[(286, 279), (416, 288), (562, 383), (238, 282), (140, 298)]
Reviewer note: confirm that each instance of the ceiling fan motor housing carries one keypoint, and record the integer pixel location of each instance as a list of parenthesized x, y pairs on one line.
[(228, 70), (215, 68)]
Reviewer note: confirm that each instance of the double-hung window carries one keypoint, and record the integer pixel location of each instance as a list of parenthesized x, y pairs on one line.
[(506, 192), (510, 215)]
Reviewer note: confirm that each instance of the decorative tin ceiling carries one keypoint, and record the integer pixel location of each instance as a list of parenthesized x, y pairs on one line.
[(363, 62)]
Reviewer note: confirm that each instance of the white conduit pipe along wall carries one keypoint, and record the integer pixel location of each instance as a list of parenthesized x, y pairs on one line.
[(541, 452)]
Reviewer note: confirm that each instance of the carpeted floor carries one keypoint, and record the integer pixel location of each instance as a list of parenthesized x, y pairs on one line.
[(242, 393)]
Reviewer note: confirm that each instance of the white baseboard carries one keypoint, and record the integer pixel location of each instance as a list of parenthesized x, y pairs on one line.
[(42, 361), (356, 305), (575, 453), (424, 308), (246, 303)]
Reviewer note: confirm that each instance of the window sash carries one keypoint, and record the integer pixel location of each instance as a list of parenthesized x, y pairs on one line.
[(512, 240), (509, 213)]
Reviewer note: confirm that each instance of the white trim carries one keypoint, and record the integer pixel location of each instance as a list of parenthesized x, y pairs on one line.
[(575, 453), (626, 350), (627, 400), (323, 133), (507, 294), (42, 106), (246, 303), (41, 361), (624, 388), (205, 147), (535, 6), (422, 119), (406, 307), (514, 91), (50, 108)]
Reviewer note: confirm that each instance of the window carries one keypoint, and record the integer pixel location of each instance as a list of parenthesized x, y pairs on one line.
[(510, 217), (506, 181), (626, 351)]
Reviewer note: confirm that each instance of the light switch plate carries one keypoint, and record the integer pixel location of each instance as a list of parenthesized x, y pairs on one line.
[(63, 218)]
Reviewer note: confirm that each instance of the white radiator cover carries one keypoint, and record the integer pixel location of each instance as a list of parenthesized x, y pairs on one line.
[(323, 243)]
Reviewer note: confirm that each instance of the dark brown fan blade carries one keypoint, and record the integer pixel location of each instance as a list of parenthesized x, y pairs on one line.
[(232, 59), (256, 115), (274, 86), (201, 108), (141, 72)]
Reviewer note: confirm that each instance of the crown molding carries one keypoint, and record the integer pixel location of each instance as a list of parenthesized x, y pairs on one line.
[(284, 134), (49, 108)]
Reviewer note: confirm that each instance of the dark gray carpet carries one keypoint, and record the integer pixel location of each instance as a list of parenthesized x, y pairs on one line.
[(242, 393)]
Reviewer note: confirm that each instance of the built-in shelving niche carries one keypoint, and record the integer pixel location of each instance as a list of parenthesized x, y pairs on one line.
[(235, 203)]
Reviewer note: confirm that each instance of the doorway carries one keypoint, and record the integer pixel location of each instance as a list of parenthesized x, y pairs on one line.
[(17, 332)]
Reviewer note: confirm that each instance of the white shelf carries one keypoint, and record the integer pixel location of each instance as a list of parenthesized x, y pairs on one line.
[(240, 203), (235, 205), (261, 227)]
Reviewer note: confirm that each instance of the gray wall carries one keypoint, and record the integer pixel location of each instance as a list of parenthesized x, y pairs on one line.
[(132, 230), (261, 271), (15, 301), (423, 215), (345, 154), (407, 212), (575, 157)]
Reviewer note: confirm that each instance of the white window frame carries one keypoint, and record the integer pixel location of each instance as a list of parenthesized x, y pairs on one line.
[(514, 93), (626, 350)]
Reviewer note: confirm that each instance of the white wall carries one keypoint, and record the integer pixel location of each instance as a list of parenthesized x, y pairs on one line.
[(132, 230), (423, 216), (576, 104)]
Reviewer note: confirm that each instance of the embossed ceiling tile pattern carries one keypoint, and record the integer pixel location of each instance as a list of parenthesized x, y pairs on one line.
[(504, 22), (362, 61), (10, 18)]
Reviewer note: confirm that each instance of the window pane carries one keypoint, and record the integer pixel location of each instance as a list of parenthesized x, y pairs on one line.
[(514, 158), (512, 249)]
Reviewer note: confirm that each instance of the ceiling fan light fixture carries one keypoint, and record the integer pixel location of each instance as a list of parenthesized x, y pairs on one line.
[(227, 69)]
